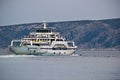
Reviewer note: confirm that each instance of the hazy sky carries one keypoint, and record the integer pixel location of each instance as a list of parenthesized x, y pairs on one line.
[(27, 11)]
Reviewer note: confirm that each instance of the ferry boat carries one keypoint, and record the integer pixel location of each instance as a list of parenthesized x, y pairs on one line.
[(45, 42)]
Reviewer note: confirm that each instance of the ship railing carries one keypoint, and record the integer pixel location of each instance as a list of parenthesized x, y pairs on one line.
[(71, 44), (15, 41)]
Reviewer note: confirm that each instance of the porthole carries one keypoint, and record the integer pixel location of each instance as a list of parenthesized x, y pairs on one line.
[(59, 53), (34, 51), (64, 52)]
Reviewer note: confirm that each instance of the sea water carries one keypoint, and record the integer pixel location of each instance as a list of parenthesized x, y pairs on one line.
[(17, 67)]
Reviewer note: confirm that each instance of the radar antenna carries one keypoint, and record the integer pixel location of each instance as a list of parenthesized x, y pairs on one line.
[(44, 24)]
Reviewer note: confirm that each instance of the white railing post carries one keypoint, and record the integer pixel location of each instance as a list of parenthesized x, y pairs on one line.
[(11, 43), (30, 42)]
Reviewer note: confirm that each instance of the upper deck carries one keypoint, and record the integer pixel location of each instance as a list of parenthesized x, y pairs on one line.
[(44, 33)]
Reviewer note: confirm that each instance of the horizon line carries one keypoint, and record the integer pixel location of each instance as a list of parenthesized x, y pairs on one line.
[(57, 21)]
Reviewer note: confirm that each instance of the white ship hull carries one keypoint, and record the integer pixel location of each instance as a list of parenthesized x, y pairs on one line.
[(25, 50)]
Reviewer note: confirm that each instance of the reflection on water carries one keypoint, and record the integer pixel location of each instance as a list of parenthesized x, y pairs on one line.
[(59, 68)]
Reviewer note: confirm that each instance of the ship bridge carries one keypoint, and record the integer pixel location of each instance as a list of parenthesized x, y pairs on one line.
[(44, 29)]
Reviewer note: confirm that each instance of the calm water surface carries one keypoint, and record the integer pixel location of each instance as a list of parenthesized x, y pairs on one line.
[(59, 68)]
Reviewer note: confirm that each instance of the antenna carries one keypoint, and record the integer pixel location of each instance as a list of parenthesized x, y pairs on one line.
[(44, 25)]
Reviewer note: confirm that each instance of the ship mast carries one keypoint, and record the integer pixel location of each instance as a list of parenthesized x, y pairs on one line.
[(44, 24)]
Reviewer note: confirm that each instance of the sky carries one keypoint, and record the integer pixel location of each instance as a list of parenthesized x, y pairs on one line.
[(30, 11)]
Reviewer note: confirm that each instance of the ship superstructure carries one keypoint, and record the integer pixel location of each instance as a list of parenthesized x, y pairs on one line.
[(44, 41)]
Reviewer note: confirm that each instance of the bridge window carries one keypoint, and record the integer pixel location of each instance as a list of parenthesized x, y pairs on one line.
[(43, 31), (59, 40)]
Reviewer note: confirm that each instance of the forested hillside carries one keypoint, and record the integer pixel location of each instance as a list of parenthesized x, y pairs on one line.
[(87, 34)]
